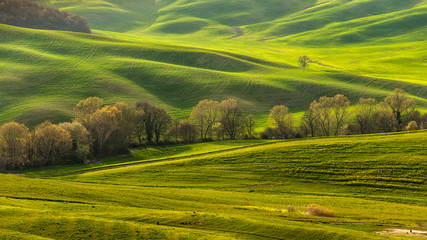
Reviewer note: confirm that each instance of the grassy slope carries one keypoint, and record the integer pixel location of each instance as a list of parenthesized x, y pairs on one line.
[(240, 194), (45, 73)]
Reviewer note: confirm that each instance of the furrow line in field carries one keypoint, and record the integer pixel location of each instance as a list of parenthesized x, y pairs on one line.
[(168, 159)]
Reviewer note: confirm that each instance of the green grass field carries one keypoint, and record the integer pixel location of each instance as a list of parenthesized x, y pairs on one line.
[(176, 53), (371, 182)]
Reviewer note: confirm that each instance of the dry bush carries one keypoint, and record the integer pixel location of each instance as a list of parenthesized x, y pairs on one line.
[(291, 208), (317, 210)]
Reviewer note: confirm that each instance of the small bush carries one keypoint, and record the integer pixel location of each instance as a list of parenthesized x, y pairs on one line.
[(317, 210), (412, 126), (291, 208)]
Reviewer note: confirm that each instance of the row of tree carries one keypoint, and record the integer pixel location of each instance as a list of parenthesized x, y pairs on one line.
[(332, 116), (25, 13), (99, 130)]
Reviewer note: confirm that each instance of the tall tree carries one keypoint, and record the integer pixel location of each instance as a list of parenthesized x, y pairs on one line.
[(81, 140), (249, 124), (231, 118), (282, 121), (161, 123), (384, 119), (365, 110), (340, 104), (51, 144), (400, 103), (102, 124), (156, 121), (13, 145), (309, 119), (331, 113), (188, 131), (85, 108), (205, 114)]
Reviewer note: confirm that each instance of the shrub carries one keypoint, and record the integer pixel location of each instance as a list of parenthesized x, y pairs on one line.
[(317, 210), (25, 13), (411, 126), (291, 208)]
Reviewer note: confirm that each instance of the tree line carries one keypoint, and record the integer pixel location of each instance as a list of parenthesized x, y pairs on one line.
[(25, 13), (102, 130), (331, 116)]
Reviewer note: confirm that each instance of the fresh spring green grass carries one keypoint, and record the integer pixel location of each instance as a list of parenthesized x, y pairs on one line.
[(148, 154), (372, 182), (176, 53)]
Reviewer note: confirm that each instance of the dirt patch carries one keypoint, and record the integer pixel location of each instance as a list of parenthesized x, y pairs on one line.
[(239, 32), (404, 232)]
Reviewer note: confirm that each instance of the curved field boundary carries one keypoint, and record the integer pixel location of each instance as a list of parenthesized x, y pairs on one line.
[(143, 162)]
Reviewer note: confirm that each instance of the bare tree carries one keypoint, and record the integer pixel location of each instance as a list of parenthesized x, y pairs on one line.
[(205, 114), (282, 121), (331, 113), (309, 120), (231, 118), (249, 125), (399, 103), (187, 131), (340, 104), (161, 123), (365, 110), (13, 145)]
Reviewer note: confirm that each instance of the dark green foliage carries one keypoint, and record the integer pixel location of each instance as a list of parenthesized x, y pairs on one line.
[(25, 13)]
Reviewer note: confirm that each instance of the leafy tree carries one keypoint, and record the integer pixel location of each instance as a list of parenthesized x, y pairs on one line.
[(304, 61), (384, 119), (85, 108), (81, 140), (51, 144), (161, 123), (206, 114), (282, 121), (309, 120), (156, 121), (14, 138), (218, 129), (102, 125), (399, 103), (127, 126), (331, 113), (30, 14)]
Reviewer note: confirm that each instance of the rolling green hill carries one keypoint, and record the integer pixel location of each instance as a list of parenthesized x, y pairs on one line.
[(176, 53), (371, 182)]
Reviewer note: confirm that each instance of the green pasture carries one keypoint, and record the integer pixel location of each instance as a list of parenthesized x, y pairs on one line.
[(176, 53), (371, 182)]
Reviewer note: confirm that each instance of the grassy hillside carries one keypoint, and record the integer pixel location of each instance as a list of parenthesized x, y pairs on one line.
[(45, 73), (176, 53), (238, 194)]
